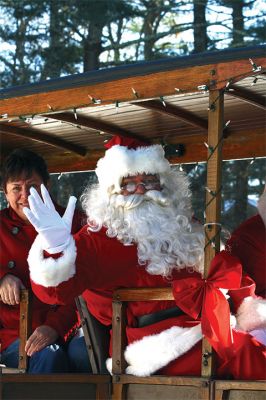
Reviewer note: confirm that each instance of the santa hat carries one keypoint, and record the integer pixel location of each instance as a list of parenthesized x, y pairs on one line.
[(126, 157)]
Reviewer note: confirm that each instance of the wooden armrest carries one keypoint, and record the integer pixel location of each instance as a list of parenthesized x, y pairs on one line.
[(143, 294)]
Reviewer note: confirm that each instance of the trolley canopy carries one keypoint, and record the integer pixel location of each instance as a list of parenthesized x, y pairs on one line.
[(67, 120)]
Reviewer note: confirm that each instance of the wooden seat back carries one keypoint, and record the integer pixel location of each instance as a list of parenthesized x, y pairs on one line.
[(200, 388)]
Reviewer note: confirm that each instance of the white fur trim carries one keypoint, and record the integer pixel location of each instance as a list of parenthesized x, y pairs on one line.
[(153, 352), (262, 206), (109, 365), (49, 271), (119, 162), (251, 314), (260, 335)]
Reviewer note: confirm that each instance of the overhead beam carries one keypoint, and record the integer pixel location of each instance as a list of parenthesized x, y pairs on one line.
[(148, 85), (241, 143), (42, 137), (174, 111), (247, 95), (93, 123)]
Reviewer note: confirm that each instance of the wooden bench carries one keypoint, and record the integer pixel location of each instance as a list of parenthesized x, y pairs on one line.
[(17, 384)]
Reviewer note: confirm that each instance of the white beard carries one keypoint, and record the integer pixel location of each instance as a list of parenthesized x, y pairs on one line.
[(165, 236)]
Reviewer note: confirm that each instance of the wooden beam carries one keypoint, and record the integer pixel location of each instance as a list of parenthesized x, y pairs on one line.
[(93, 123), (247, 95), (244, 144), (42, 137), (147, 85), (174, 111)]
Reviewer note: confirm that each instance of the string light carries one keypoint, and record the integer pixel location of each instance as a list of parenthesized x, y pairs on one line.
[(50, 107), (210, 191), (255, 68), (135, 93), (210, 148), (116, 105), (75, 114), (162, 100), (212, 107), (60, 176), (93, 100), (212, 241), (254, 81), (203, 88), (230, 81), (252, 161)]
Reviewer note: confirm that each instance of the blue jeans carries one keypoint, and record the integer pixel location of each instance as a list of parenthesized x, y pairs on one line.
[(51, 359), (77, 354)]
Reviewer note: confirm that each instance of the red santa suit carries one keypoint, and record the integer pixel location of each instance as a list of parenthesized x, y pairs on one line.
[(248, 243), (96, 264), (16, 238)]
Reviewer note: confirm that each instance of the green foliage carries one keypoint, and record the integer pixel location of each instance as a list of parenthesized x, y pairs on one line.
[(53, 38)]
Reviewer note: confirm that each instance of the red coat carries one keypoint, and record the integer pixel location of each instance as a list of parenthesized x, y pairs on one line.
[(16, 238), (248, 243), (103, 264)]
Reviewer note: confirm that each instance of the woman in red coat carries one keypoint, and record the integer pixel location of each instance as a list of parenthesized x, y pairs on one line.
[(51, 324)]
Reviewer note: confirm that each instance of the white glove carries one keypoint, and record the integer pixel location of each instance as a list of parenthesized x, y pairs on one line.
[(55, 231)]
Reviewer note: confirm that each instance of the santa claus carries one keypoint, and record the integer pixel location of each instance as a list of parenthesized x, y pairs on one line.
[(141, 233)]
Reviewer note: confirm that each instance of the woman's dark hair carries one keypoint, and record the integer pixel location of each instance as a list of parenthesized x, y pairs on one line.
[(23, 162)]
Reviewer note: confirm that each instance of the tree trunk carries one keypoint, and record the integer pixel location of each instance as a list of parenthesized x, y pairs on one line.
[(19, 72), (52, 68), (241, 191), (148, 35), (200, 26), (92, 47), (238, 23)]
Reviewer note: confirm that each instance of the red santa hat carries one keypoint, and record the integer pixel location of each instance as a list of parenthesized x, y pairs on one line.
[(126, 157)]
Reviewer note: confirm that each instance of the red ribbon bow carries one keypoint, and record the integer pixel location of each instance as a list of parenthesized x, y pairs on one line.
[(195, 295)]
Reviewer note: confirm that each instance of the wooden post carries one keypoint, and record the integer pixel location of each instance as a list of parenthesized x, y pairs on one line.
[(119, 337), (118, 347), (213, 201), (24, 327)]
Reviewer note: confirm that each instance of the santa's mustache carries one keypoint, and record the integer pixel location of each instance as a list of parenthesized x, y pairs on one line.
[(134, 200)]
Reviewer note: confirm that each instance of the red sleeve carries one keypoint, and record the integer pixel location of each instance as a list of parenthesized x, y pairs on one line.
[(248, 243)]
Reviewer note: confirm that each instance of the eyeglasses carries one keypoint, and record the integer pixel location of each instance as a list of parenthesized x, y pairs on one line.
[(131, 187)]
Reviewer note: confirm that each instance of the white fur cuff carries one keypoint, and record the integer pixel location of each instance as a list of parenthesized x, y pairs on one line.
[(251, 314), (49, 271), (151, 353)]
